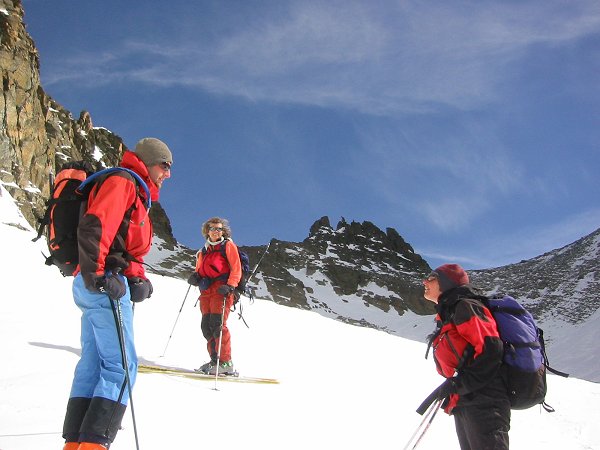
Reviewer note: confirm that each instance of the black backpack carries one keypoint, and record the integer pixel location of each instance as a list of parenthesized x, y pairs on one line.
[(70, 190)]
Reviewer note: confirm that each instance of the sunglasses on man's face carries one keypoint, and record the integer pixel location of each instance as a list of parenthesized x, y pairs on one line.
[(215, 229), (165, 166)]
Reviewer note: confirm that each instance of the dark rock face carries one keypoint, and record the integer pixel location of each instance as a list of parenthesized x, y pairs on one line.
[(357, 262), (37, 135)]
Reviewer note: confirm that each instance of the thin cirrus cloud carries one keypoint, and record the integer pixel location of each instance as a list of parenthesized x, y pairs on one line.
[(386, 59), (522, 244), (412, 166)]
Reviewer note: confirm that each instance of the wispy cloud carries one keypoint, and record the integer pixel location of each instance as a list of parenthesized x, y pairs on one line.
[(448, 178), (553, 236), (519, 243), (384, 58)]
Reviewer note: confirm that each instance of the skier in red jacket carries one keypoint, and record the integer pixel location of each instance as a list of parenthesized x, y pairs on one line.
[(218, 272), (468, 352), (114, 235)]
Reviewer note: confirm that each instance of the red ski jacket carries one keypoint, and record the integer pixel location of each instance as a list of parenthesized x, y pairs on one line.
[(467, 345), (116, 224), (214, 265)]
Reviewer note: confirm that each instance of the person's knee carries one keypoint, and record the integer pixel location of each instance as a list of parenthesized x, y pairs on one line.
[(205, 327), (215, 324)]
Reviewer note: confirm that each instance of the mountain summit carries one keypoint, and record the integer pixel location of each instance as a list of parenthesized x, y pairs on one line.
[(356, 262)]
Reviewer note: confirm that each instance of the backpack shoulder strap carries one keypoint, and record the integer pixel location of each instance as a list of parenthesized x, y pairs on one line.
[(90, 181), (545, 356), (223, 248), (86, 184)]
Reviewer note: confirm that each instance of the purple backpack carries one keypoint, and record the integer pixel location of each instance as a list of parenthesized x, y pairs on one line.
[(524, 353)]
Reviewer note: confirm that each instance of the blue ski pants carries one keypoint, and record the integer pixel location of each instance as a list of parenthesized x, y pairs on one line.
[(100, 372)]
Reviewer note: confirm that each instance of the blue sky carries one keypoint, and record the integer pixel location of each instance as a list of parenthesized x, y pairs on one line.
[(471, 127)]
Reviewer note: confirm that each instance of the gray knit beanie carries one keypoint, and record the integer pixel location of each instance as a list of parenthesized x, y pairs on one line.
[(153, 151)]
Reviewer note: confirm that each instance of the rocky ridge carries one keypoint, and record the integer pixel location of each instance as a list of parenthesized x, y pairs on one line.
[(563, 283), (353, 259), (38, 135)]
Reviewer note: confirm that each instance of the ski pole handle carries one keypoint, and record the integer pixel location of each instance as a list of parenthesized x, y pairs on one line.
[(447, 388), (427, 402)]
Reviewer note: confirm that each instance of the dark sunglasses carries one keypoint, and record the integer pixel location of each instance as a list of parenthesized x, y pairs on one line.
[(215, 229), (165, 166), (432, 276)]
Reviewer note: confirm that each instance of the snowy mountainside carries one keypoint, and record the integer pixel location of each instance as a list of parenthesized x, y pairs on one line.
[(357, 274), (563, 283), (561, 288)]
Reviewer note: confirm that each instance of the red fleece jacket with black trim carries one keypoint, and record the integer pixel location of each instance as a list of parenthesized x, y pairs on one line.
[(467, 328), (214, 265), (107, 228)]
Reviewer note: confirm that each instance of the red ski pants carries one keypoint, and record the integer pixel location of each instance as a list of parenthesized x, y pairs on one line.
[(211, 307)]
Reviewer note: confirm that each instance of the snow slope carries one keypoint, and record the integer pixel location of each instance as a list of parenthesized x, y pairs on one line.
[(341, 386)]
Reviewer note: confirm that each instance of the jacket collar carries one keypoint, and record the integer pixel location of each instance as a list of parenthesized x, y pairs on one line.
[(451, 297), (132, 161)]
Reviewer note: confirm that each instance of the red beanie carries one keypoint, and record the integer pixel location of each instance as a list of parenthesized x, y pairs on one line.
[(451, 276)]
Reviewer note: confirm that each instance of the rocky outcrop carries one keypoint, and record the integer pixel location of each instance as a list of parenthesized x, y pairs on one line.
[(563, 283), (24, 160), (38, 135), (361, 263), (358, 262)]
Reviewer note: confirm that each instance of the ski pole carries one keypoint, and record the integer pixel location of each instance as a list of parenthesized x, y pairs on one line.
[(175, 324), (435, 410), (425, 417), (259, 261), (220, 342), (247, 290), (430, 414), (119, 324)]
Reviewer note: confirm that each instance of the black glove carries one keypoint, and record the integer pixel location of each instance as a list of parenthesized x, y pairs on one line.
[(194, 279), (441, 392), (139, 288), (446, 388), (115, 263), (225, 290), (111, 285)]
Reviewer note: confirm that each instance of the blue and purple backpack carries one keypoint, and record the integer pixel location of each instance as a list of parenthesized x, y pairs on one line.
[(524, 352)]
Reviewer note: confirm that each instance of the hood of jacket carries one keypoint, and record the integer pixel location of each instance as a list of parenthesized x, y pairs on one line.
[(132, 161)]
